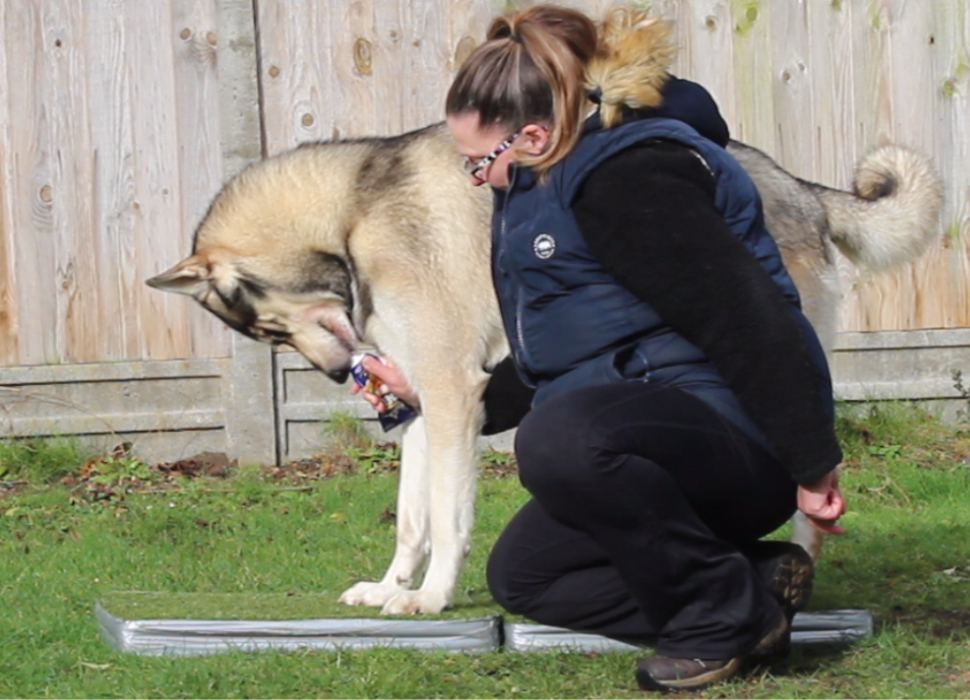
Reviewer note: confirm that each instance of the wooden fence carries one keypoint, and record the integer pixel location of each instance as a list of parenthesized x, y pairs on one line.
[(120, 119)]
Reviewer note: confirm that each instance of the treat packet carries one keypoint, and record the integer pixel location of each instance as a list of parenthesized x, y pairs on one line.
[(397, 411)]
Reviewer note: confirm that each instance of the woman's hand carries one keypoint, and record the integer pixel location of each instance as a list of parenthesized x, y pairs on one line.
[(823, 503), (389, 378)]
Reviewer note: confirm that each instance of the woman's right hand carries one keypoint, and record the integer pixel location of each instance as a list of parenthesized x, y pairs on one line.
[(390, 378), (823, 503)]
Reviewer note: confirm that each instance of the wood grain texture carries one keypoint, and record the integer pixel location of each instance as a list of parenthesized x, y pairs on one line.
[(109, 160), (197, 39), (112, 134), (9, 317), (27, 171)]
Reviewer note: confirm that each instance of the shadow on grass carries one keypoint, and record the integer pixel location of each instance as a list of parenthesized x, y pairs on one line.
[(809, 659)]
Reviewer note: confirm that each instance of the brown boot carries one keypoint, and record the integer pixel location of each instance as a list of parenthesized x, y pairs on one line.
[(668, 673), (786, 569), (776, 645)]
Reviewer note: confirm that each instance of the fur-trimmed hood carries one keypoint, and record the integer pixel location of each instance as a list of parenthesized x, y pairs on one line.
[(632, 62)]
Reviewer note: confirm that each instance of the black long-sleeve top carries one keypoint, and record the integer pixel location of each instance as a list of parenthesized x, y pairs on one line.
[(648, 215)]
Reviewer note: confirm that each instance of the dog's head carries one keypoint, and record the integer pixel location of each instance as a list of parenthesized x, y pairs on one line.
[(314, 318), (274, 272)]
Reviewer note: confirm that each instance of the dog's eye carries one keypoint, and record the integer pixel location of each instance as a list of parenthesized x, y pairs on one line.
[(271, 329), (271, 332), (279, 334)]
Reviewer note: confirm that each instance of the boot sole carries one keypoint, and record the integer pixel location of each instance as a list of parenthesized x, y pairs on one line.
[(698, 682), (791, 584)]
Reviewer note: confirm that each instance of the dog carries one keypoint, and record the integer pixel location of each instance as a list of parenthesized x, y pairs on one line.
[(385, 242)]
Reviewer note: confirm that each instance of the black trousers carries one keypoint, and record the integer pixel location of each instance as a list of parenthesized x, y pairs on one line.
[(641, 498)]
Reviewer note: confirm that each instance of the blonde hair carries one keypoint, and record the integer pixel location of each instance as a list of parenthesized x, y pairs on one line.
[(631, 62), (542, 63)]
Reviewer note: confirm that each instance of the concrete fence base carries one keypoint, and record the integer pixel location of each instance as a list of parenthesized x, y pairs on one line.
[(266, 407)]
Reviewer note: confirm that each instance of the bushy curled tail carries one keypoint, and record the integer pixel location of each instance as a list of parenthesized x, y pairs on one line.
[(632, 59), (892, 216)]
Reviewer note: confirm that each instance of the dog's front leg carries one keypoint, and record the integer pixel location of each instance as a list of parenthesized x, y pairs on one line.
[(412, 524), (453, 424)]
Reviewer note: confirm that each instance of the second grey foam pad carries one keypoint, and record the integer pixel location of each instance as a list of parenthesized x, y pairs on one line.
[(828, 627)]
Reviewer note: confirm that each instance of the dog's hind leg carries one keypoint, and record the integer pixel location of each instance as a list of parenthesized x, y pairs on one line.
[(412, 519), (818, 284), (809, 537)]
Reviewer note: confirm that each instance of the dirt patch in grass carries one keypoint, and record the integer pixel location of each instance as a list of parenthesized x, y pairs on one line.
[(942, 624), (112, 476), (9, 488)]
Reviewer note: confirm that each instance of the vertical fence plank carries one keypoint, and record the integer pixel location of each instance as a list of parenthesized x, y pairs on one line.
[(467, 23), (755, 119), (705, 34), (200, 46), (67, 197), (30, 190), (113, 147), (357, 96), (251, 419), (392, 65), (9, 316), (831, 134), (792, 79), (424, 39), (949, 44), (296, 54), (156, 171)]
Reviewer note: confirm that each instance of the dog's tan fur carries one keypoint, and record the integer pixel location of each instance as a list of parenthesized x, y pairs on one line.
[(385, 242), (381, 242)]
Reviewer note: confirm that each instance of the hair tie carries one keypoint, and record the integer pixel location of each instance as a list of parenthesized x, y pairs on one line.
[(595, 95), (516, 38)]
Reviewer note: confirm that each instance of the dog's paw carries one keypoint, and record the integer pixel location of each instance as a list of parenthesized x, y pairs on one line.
[(372, 593), (409, 602)]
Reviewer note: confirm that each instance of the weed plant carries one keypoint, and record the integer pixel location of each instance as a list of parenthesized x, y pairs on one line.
[(39, 461), (310, 531)]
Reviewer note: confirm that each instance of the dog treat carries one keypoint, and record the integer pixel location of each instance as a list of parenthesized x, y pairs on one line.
[(397, 411)]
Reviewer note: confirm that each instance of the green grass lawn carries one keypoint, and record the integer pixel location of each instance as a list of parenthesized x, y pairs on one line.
[(73, 531)]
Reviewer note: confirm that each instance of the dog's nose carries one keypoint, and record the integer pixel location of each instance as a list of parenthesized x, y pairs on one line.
[(338, 375)]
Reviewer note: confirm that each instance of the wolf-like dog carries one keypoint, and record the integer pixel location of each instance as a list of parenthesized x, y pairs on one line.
[(385, 242)]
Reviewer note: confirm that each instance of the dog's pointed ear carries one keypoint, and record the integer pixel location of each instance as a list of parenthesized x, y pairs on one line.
[(190, 277)]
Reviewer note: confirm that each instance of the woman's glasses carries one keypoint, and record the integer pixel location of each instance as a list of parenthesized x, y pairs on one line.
[(474, 167)]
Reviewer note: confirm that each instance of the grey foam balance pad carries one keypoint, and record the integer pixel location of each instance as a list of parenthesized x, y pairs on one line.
[(197, 624), (179, 637), (184, 624), (829, 627)]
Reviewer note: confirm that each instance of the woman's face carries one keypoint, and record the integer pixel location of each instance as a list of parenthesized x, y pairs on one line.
[(492, 149)]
